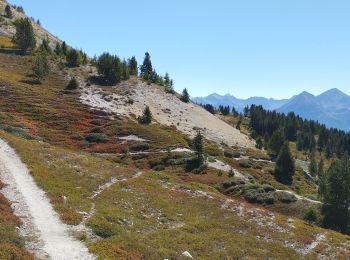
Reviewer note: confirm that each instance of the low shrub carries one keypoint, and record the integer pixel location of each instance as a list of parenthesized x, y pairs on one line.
[(231, 154), (268, 188), (245, 164), (97, 122), (259, 196), (155, 162), (96, 138), (311, 215), (230, 183), (286, 197), (97, 130), (159, 167), (140, 146), (20, 132), (73, 84)]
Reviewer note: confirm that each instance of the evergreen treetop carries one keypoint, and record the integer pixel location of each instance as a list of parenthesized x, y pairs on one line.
[(24, 37), (185, 97), (8, 12), (285, 166)]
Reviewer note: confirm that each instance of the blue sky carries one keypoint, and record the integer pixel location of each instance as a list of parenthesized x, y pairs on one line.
[(271, 48)]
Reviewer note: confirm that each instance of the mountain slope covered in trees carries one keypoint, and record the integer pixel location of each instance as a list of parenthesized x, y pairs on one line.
[(331, 107)]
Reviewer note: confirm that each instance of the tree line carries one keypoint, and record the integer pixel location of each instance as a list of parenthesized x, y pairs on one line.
[(309, 135)]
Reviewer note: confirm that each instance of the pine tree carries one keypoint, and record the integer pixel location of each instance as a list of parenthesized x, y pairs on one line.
[(24, 37), (41, 67), (45, 46), (313, 165), (125, 71), (8, 12), (133, 66), (146, 117), (276, 143), (111, 68), (185, 97), (321, 178), (64, 48), (58, 49), (285, 167), (146, 68), (198, 146), (38, 22), (336, 196), (74, 58), (167, 80), (73, 84)]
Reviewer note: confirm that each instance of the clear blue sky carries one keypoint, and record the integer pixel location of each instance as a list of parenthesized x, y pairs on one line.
[(271, 48)]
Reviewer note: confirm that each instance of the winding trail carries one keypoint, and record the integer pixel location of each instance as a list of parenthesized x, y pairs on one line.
[(44, 232)]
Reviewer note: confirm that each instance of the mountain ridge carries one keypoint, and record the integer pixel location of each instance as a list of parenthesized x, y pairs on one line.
[(331, 107)]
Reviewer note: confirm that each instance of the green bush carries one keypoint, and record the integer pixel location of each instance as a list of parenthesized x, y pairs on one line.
[(96, 130), (96, 138), (286, 197), (153, 163), (73, 84), (20, 132), (311, 215), (103, 229), (268, 188), (141, 146), (230, 183), (259, 196), (245, 164), (160, 167), (97, 122), (231, 154)]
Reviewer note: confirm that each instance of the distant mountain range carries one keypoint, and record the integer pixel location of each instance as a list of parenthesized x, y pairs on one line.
[(331, 108)]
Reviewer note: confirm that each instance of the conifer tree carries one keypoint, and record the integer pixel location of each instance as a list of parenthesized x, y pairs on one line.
[(64, 48), (58, 49), (45, 46), (285, 167), (198, 146), (146, 117), (321, 178), (73, 84), (41, 67), (74, 58), (167, 79), (8, 12), (24, 37), (146, 68), (133, 66), (185, 97), (313, 165), (336, 196), (125, 71), (276, 142), (111, 68)]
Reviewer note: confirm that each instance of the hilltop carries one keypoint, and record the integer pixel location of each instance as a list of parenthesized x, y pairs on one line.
[(78, 165)]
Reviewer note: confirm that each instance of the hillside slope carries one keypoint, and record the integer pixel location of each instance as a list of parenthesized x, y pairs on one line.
[(130, 98), (123, 188), (7, 28)]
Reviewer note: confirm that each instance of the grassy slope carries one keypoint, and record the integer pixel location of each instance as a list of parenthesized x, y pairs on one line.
[(153, 216)]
